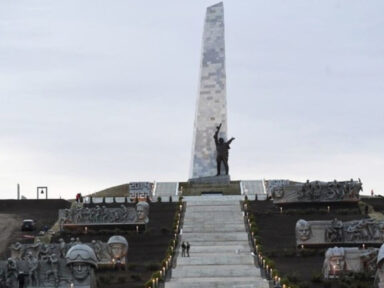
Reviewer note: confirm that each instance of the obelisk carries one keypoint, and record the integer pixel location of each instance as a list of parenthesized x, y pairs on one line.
[(211, 107)]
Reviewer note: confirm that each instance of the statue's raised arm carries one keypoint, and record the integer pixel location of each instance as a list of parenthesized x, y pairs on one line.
[(230, 140), (216, 134)]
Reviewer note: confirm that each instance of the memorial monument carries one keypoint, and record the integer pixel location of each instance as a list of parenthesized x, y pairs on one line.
[(211, 110), (341, 260), (81, 218), (222, 149), (108, 254), (43, 265), (325, 232), (287, 192)]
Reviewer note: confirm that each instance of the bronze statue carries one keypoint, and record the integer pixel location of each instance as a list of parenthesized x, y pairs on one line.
[(222, 148)]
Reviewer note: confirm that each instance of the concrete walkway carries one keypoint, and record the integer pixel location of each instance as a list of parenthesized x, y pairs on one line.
[(220, 255)]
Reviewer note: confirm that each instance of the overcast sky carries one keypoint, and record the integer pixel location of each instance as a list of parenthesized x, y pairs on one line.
[(95, 94)]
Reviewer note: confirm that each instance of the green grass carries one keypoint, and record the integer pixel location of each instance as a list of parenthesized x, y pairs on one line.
[(116, 191)]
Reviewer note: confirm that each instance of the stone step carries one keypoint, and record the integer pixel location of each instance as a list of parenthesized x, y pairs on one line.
[(206, 208), (216, 259), (229, 236), (220, 255), (201, 271), (215, 243), (213, 198), (213, 203), (214, 217), (218, 212), (203, 222), (208, 228), (224, 249), (218, 282), (200, 222)]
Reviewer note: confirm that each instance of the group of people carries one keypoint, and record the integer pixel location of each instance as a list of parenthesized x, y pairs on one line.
[(185, 246)]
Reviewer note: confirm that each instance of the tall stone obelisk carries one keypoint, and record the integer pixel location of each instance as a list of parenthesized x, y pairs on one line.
[(211, 107)]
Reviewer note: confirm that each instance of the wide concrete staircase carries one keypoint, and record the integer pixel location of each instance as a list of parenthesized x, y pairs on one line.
[(220, 255)]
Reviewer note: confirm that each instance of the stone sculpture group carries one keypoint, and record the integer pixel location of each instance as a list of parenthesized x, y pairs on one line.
[(336, 231), (341, 260), (40, 267), (103, 215), (61, 264), (316, 191)]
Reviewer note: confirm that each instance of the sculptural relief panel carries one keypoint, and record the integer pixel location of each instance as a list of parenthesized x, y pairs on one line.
[(85, 216), (341, 260), (315, 191), (336, 231)]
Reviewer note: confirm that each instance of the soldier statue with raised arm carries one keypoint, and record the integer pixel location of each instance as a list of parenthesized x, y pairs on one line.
[(222, 148)]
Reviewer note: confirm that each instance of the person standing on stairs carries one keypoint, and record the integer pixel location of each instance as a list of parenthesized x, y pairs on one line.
[(188, 246), (183, 247)]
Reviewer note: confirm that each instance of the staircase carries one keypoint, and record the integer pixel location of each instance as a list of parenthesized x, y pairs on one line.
[(220, 255)]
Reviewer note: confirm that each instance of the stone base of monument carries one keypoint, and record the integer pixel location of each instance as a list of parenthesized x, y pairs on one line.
[(221, 179), (210, 185)]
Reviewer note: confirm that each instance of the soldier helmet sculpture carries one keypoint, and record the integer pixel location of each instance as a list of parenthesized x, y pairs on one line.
[(80, 258), (118, 246), (142, 211)]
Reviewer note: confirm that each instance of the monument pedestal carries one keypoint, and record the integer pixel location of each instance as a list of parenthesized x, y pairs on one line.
[(221, 179), (211, 185)]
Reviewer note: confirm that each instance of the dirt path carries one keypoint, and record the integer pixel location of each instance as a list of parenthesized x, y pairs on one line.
[(8, 224)]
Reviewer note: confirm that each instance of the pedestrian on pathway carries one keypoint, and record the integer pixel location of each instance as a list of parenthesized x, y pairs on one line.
[(183, 247), (188, 246), (21, 279)]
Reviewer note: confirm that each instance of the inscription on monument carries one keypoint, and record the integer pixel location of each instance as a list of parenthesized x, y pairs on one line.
[(140, 190)]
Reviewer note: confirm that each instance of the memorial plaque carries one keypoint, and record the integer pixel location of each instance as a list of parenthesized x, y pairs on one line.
[(140, 190)]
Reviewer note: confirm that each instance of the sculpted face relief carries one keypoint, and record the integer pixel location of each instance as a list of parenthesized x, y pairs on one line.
[(303, 230)]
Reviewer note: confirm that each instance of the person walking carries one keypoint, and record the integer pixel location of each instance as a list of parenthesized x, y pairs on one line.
[(188, 246), (21, 279), (183, 247)]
